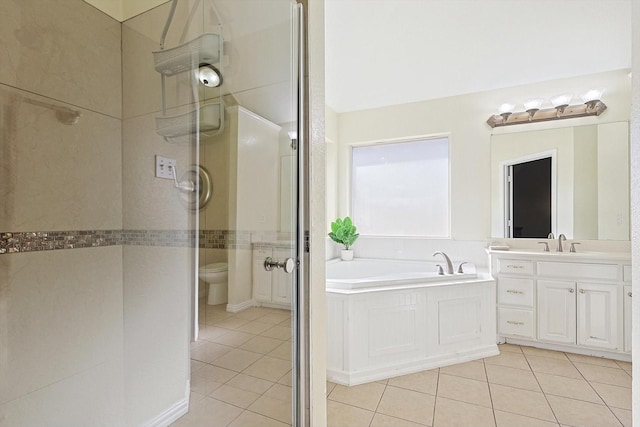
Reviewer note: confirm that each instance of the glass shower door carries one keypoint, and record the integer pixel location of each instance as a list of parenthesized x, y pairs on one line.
[(246, 338)]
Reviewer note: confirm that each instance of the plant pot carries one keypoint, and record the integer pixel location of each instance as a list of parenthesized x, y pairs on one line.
[(346, 254)]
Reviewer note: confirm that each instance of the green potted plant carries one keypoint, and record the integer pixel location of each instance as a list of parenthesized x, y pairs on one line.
[(344, 232)]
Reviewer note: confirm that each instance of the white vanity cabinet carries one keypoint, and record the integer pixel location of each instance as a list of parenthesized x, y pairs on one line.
[(566, 301), (271, 288)]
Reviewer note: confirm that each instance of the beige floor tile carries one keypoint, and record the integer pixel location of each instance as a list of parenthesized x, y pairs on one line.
[(407, 404), (274, 318), (237, 360), (260, 344), (286, 379), (572, 388), (423, 381), (625, 365), (278, 332), (473, 370), (508, 359), (464, 390), (547, 365), (452, 413), (209, 412), (249, 383), (582, 414), (365, 396), (195, 365), (233, 323), (251, 419), (209, 333), (254, 327), (216, 373), (273, 408), (269, 368), (330, 387), (341, 415), (521, 402), (204, 386), (219, 318), (233, 338), (513, 348), (194, 398), (235, 396), (507, 419), (252, 313), (210, 351), (591, 360), (283, 351), (624, 416), (381, 420), (613, 395), (279, 391), (534, 351), (605, 375), (518, 378)]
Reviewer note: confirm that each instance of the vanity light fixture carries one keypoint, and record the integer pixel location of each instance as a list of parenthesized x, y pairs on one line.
[(562, 109)]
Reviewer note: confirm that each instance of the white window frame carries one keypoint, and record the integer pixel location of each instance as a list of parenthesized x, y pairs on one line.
[(349, 181)]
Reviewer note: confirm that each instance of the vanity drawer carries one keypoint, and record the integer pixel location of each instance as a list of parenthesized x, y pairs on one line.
[(514, 291), (515, 266), (515, 322), (578, 270)]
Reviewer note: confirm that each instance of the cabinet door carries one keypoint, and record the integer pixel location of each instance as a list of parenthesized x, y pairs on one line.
[(598, 315), (627, 318), (557, 311), (280, 281), (261, 277)]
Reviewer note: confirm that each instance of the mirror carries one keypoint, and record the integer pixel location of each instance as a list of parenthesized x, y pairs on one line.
[(589, 179)]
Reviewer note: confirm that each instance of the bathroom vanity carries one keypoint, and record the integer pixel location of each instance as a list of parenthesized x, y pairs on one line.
[(271, 288), (576, 302)]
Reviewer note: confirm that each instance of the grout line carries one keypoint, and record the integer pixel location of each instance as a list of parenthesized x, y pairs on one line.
[(435, 400), (493, 409)]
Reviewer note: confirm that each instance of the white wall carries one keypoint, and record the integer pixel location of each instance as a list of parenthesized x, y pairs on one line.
[(464, 119)]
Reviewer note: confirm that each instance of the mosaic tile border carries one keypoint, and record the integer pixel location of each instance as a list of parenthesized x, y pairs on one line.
[(20, 242)]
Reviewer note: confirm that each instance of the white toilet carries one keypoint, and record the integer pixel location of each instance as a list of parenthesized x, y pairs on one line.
[(215, 275)]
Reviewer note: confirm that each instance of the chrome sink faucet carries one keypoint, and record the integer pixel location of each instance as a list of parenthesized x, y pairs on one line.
[(447, 260), (561, 238)]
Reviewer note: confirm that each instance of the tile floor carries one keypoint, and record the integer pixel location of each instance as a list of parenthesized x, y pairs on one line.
[(241, 376)]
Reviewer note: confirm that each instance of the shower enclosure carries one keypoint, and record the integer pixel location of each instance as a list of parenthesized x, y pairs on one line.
[(99, 253)]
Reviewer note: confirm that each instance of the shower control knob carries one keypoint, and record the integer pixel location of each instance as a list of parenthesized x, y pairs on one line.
[(287, 265)]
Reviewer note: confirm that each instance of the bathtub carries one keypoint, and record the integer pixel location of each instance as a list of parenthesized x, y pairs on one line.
[(369, 273), (392, 317)]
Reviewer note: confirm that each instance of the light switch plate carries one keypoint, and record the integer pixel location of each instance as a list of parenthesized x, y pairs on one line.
[(165, 167)]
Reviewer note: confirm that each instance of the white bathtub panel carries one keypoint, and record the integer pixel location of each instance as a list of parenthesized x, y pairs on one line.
[(336, 321), (460, 317), (389, 327)]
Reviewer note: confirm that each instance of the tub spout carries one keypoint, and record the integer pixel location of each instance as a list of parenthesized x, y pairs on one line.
[(447, 260)]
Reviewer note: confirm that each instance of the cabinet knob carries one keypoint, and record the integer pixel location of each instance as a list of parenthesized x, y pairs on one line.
[(630, 294), (571, 290), (582, 291)]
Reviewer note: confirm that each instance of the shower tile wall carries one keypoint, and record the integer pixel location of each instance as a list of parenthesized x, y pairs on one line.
[(97, 335), (61, 314)]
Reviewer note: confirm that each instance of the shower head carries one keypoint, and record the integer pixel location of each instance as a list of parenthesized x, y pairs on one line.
[(209, 75)]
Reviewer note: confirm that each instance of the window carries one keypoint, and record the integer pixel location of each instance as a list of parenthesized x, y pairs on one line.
[(402, 188)]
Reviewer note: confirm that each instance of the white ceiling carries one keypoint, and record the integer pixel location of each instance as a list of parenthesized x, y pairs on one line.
[(387, 52)]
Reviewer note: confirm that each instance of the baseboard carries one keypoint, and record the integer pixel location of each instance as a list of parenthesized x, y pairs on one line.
[(235, 308), (174, 412)]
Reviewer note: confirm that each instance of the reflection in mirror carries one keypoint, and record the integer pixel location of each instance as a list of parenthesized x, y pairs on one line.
[(589, 183)]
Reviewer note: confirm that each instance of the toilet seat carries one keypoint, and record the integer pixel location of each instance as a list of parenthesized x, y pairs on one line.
[(216, 267)]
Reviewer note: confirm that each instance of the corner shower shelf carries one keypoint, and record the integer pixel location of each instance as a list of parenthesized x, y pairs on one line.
[(180, 127), (203, 49)]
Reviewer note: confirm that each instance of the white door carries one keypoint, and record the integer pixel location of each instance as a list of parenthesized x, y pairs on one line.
[(260, 277), (557, 311), (598, 315)]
